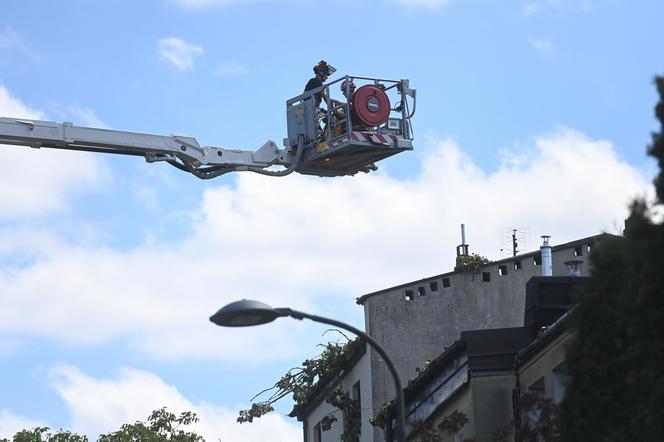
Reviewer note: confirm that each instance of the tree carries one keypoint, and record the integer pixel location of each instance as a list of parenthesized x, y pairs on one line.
[(161, 426), (615, 363), (312, 378)]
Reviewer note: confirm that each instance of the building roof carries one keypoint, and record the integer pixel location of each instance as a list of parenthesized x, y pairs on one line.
[(360, 300), (543, 338)]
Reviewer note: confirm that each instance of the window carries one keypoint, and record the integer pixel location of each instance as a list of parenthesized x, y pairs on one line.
[(409, 296), (537, 260), (517, 264), (589, 246), (356, 393), (317, 433), (533, 413), (433, 286), (559, 383), (502, 270), (355, 396), (421, 291), (486, 276), (578, 251), (446, 282)]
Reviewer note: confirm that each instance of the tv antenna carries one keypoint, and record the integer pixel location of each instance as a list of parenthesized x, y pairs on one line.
[(513, 240)]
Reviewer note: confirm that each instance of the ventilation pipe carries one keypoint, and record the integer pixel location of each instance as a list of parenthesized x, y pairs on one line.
[(462, 249), (547, 260)]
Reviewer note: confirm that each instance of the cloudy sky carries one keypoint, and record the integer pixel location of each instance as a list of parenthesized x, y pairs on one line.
[(531, 114)]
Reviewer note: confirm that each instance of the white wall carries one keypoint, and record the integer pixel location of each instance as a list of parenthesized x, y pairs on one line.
[(362, 372)]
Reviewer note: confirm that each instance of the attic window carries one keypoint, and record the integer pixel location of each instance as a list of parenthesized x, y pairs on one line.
[(517, 265), (486, 276), (409, 295), (578, 251), (537, 260), (433, 285), (421, 291), (502, 270), (446, 282), (589, 246)]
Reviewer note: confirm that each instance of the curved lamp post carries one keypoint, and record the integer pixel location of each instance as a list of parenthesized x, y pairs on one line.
[(246, 313)]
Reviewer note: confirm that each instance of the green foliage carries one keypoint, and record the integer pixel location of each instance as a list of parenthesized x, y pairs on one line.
[(470, 263), (420, 370), (352, 415), (161, 426), (539, 423), (380, 418), (304, 382), (42, 434), (257, 410), (451, 424), (615, 388), (657, 147), (454, 422)]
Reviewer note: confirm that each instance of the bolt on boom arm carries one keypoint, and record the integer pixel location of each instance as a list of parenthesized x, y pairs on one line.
[(180, 151)]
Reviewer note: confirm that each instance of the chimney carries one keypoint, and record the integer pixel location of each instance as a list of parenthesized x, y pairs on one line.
[(462, 249), (547, 260), (573, 267)]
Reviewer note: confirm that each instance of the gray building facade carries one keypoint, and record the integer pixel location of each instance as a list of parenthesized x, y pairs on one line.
[(415, 322)]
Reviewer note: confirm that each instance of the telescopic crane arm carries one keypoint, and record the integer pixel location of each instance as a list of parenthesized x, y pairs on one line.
[(181, 151)]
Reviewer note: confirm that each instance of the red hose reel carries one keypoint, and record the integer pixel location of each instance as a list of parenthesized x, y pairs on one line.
[(371, 105)]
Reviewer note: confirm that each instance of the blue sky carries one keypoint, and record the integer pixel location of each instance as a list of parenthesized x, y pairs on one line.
[(532, 114)]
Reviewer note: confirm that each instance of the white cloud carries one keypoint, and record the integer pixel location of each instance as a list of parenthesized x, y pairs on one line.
[(147, 196), (557, 7), (11, 42), (427, 4), (10, 423), (9, 346), (179, 53), (230, 69), (39, 181), (85, 116), (290, 240), (12, 107), (545, 47), (103, 405)]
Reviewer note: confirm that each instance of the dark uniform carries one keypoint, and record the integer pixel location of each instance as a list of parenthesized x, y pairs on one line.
[(313, 84)]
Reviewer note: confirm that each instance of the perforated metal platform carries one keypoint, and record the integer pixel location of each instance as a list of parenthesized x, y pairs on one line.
[(352, 153)]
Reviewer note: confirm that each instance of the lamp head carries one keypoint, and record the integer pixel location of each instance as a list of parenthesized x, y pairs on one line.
[(245, 313)]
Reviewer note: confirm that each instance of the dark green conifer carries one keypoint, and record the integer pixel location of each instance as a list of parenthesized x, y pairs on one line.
[(615, 364)]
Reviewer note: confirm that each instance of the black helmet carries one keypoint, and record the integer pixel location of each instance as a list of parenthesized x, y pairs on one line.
[(323, 68)]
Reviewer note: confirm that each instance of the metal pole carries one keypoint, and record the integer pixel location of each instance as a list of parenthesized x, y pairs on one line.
[(401, 416)]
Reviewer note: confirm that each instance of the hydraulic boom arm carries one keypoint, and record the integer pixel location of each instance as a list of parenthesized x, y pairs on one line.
[(180, 151)]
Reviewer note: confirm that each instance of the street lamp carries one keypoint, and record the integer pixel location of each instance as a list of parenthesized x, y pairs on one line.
[(246, 313)]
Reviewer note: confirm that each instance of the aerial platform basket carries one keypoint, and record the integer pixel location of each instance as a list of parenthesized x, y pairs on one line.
[(342, 138), (378, 129)]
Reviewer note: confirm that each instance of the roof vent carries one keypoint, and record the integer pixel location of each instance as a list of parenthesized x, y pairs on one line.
[(573, 267), (462, 249), (547, 260)]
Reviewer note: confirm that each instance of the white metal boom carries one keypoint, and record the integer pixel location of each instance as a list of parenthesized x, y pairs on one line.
[(181, 151)]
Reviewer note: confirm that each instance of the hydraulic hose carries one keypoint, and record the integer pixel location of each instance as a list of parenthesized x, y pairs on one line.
[(290, 169), (215, 171)]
